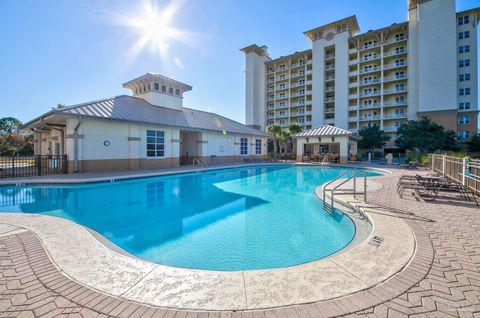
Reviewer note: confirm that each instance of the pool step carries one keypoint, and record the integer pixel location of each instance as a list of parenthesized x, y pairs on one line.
[(328, 207)]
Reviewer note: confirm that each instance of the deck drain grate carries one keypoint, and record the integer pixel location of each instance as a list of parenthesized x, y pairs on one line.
[(376, 241)]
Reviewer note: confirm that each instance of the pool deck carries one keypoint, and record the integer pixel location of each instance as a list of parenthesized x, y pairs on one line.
[(441, 279)]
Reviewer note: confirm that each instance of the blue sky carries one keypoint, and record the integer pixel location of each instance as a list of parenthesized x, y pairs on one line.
[(75, 51)]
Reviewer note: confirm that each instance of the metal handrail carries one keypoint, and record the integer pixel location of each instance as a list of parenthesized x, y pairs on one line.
[(199, 162), (354, 177)]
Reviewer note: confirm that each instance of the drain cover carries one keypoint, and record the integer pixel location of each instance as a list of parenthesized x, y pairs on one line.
[(376, 241)]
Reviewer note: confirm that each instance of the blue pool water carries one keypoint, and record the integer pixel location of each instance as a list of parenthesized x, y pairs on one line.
[(231, 219)]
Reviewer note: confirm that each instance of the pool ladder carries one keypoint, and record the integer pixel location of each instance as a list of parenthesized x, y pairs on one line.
[(329, 207), (198, 162)]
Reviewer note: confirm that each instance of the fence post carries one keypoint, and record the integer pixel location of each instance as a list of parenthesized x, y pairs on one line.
[(13, 166), (464, 169), (433, 162), (38, 163), (444, 163)]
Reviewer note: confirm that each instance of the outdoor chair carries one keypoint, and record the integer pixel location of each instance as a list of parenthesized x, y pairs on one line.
[(429, 187)]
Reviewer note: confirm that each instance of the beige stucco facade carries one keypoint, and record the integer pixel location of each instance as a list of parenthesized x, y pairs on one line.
[(105, 145)]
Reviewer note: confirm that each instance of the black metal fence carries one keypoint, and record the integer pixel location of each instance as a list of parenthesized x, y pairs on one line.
[(28, 166)]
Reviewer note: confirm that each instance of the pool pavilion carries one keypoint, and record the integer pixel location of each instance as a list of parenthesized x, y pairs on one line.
[(326, 143)]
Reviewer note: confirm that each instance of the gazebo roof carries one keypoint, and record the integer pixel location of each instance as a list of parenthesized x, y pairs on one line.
[(326, 131)]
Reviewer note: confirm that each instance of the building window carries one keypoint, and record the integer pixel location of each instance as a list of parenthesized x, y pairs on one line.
[(464, 134), (156, 86), (467, 91), (399, 37), (460, 49), (164, 88), (464, 35), (258, 146), (464, 63), (464, 120), (243, 146), (170, 90), (465, 105), (463, 20), (461, 92), (177, 92), (155, 143)]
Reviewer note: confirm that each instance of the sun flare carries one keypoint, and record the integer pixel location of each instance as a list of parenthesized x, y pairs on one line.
[(154, 27)]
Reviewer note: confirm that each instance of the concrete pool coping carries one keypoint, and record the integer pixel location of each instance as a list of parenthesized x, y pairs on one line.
[(77, 253)]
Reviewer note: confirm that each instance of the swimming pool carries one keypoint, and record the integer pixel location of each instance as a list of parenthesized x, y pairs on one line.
[(230, 219)]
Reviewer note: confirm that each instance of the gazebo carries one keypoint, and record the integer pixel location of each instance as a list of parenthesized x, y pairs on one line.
[(326, 142)]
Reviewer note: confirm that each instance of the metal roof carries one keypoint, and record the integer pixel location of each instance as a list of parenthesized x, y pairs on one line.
[(134, 109), (325, 130)]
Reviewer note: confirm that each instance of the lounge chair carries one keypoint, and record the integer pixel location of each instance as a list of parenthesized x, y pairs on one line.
[(429, 187)]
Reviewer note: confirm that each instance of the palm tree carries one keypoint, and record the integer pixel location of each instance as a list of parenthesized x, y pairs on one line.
[(283, 137), (274, 131), (294, 129)]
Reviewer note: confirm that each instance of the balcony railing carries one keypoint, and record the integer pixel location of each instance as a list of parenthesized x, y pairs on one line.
[(368, 118), (394, 116), (394, 78), (391, 104), (394, 53), (370, 94), (370, 106), (395, 40), (394, 65), (394, 91), (370, 70)]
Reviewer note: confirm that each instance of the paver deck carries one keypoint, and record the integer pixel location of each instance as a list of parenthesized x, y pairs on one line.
[(443, 279)]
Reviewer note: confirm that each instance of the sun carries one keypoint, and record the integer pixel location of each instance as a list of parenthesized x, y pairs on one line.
[(153, 26)]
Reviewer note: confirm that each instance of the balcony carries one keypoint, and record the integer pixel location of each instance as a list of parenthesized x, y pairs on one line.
[(369, 82), (284, 115), (394, 53), (297, 94), (352, 85), (330, 99), (283, 97), (395, 40), (329, 56), (353, 62), (394, 78), (368, 118), (394, 91), (308, 82), (394, 116), (353, 96), (353, 107), (370, 94), (297, 114), (394, 65), (330, 111), (329, 67), (395, 103), (329, 121), (369, 58), (330, 89), (293, 75), (354, 119), (280, 106), (279, 88), (370, 70), (373, 106), (369, 47), (330, 78), (298, 84)]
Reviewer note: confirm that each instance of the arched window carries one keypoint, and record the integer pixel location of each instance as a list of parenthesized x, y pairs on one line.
[(156, 86), (170, 90)]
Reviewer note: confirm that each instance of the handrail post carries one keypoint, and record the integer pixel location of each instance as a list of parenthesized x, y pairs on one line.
[(364, 187), (355, 184)]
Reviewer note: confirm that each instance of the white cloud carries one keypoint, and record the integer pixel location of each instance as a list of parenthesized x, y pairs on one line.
[(179, 63)]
